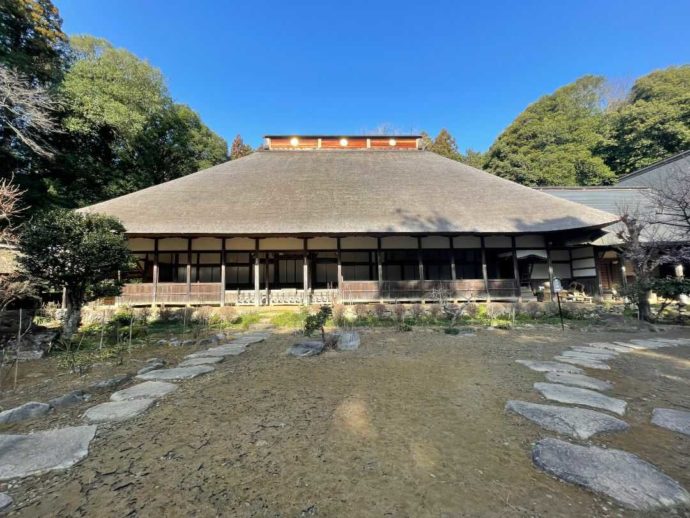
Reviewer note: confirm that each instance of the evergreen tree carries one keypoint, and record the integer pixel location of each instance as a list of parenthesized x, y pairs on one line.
[(555, 140), (444, 144), (239, 148)]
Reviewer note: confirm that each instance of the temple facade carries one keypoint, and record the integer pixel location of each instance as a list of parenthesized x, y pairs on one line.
[(320, 219)]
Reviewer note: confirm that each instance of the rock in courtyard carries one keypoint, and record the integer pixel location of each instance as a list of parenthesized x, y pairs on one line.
[(580, 396), (578, 380), (676, 420), (177, 373), (29, 410), (117, 411), (70, 399), (304, 349), (145, 390), (547, 366)]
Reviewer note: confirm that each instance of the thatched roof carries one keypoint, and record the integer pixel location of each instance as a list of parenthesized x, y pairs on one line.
[(345, 192)]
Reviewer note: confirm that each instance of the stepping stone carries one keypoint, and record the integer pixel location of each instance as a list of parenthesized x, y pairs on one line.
[(580, 396), (582, 362), (220, 351), (620, 475), (305, 349), (111, 383), (26, 411), (647, 344), (594, 350), (546, 366), (5, 502), (348, 341), (635, 347), (578, 380), (146, 390), (204, 360), (177, 373), (676, 420), (576, 422), (117, 411), (612, 347), (151, 367), (24, 455), (73, 398), (607, 355)]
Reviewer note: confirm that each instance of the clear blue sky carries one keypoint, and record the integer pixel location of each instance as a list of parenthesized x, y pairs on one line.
[(347, 67)]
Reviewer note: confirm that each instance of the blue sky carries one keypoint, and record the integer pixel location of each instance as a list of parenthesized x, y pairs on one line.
[(347, 67)]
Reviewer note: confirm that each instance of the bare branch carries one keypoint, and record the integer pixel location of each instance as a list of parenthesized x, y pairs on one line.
[(26, 110)]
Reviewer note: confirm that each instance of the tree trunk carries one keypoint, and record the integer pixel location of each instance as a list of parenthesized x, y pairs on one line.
[(644, 307), (72, 319)]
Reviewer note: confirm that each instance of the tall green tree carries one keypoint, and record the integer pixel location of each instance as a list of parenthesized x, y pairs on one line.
[(123, 131), (653, 123), (238, 149), (444, 144), (79, 252), (554, 141), (31, 39)]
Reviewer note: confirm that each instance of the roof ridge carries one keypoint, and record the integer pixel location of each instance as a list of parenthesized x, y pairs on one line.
[(661, 162)]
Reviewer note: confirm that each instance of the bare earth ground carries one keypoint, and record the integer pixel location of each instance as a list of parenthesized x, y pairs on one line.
[(411, 424)]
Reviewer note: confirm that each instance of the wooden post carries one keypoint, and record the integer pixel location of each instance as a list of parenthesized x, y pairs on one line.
[(453, 274), (548, 262), (155, 271), (266, 280), (485, 273), (379, 266), (516, 272), (305, 278), (257, 278), (340, 266), (624, 278), (222, 273), (597, 275), (189, 271), (420, 259)]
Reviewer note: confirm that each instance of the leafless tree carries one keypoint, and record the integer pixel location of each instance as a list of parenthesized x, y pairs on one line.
[(671, 200), (10, 208), (26, 111)]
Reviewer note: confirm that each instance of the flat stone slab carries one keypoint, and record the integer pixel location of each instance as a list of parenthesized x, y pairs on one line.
[(34, 453), (204, 360), (576, 422), (547, 366), (584, 362), (631, 481), (5, 502), (612, 347), (220, 351), (650, 344), (117, 411), (590, 355), (151, 367), (177, 373), (111, 383), (30, 410), (348, 341), (580, 396), (578, 380), (146, 390), (676, 420), (304, 349), (636, 347), (595, 350), (72, 398)]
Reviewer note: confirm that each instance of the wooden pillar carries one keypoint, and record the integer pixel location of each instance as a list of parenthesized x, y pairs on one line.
[(420, 259), (485, 274), (189, 270), (266, 279), (305, 274), (453, 274), (624, 277), (222, 273), (516, 272), (550, 266), (679, 271), (597, 275), (340, 265), (257, 276), (379, 266), (155, 271)]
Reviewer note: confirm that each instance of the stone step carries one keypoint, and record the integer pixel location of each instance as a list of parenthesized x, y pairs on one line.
[(580, 396), (578, 380), (548, 366), (583, 362)]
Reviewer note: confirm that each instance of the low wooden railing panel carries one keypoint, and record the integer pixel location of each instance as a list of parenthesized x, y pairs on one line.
[(361, 291)]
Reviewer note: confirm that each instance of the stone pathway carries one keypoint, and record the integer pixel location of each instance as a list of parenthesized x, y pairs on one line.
[(631, 481), (39, 452)]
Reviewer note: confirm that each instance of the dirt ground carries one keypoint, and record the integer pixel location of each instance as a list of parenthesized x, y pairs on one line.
[(411, 424)]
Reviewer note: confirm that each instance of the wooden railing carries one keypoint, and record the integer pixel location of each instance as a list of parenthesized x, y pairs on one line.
[(171, 293), (363, 291)]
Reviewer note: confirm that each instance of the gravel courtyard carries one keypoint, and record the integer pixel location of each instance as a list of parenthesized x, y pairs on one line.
[(411, 424)]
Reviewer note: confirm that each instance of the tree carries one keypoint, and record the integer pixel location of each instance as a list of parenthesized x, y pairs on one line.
[(239, 148), (473, 158), (82, 253), (555, 140), (444, 144), (31, 39), (124, 132), (653, 123)]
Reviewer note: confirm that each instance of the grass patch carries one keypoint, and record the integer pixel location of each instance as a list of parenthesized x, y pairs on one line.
[(289, 319)]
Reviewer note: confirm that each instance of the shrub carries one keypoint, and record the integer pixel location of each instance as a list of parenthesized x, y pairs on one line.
[(123, 315), (417, 311), (317, 322), (202, 315), (339, 314), (361, 311), (399, 312), (224, 315), (451, 331), (532, 309), (471, 310), (380, 310), (435, 311)]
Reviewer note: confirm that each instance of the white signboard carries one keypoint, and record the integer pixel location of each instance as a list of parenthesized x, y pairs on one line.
[(557, 286)]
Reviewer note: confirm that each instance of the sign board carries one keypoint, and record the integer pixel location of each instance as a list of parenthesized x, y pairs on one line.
[(557, 286)]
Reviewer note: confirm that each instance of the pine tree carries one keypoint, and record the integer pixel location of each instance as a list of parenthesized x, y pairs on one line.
[(239, 148)]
